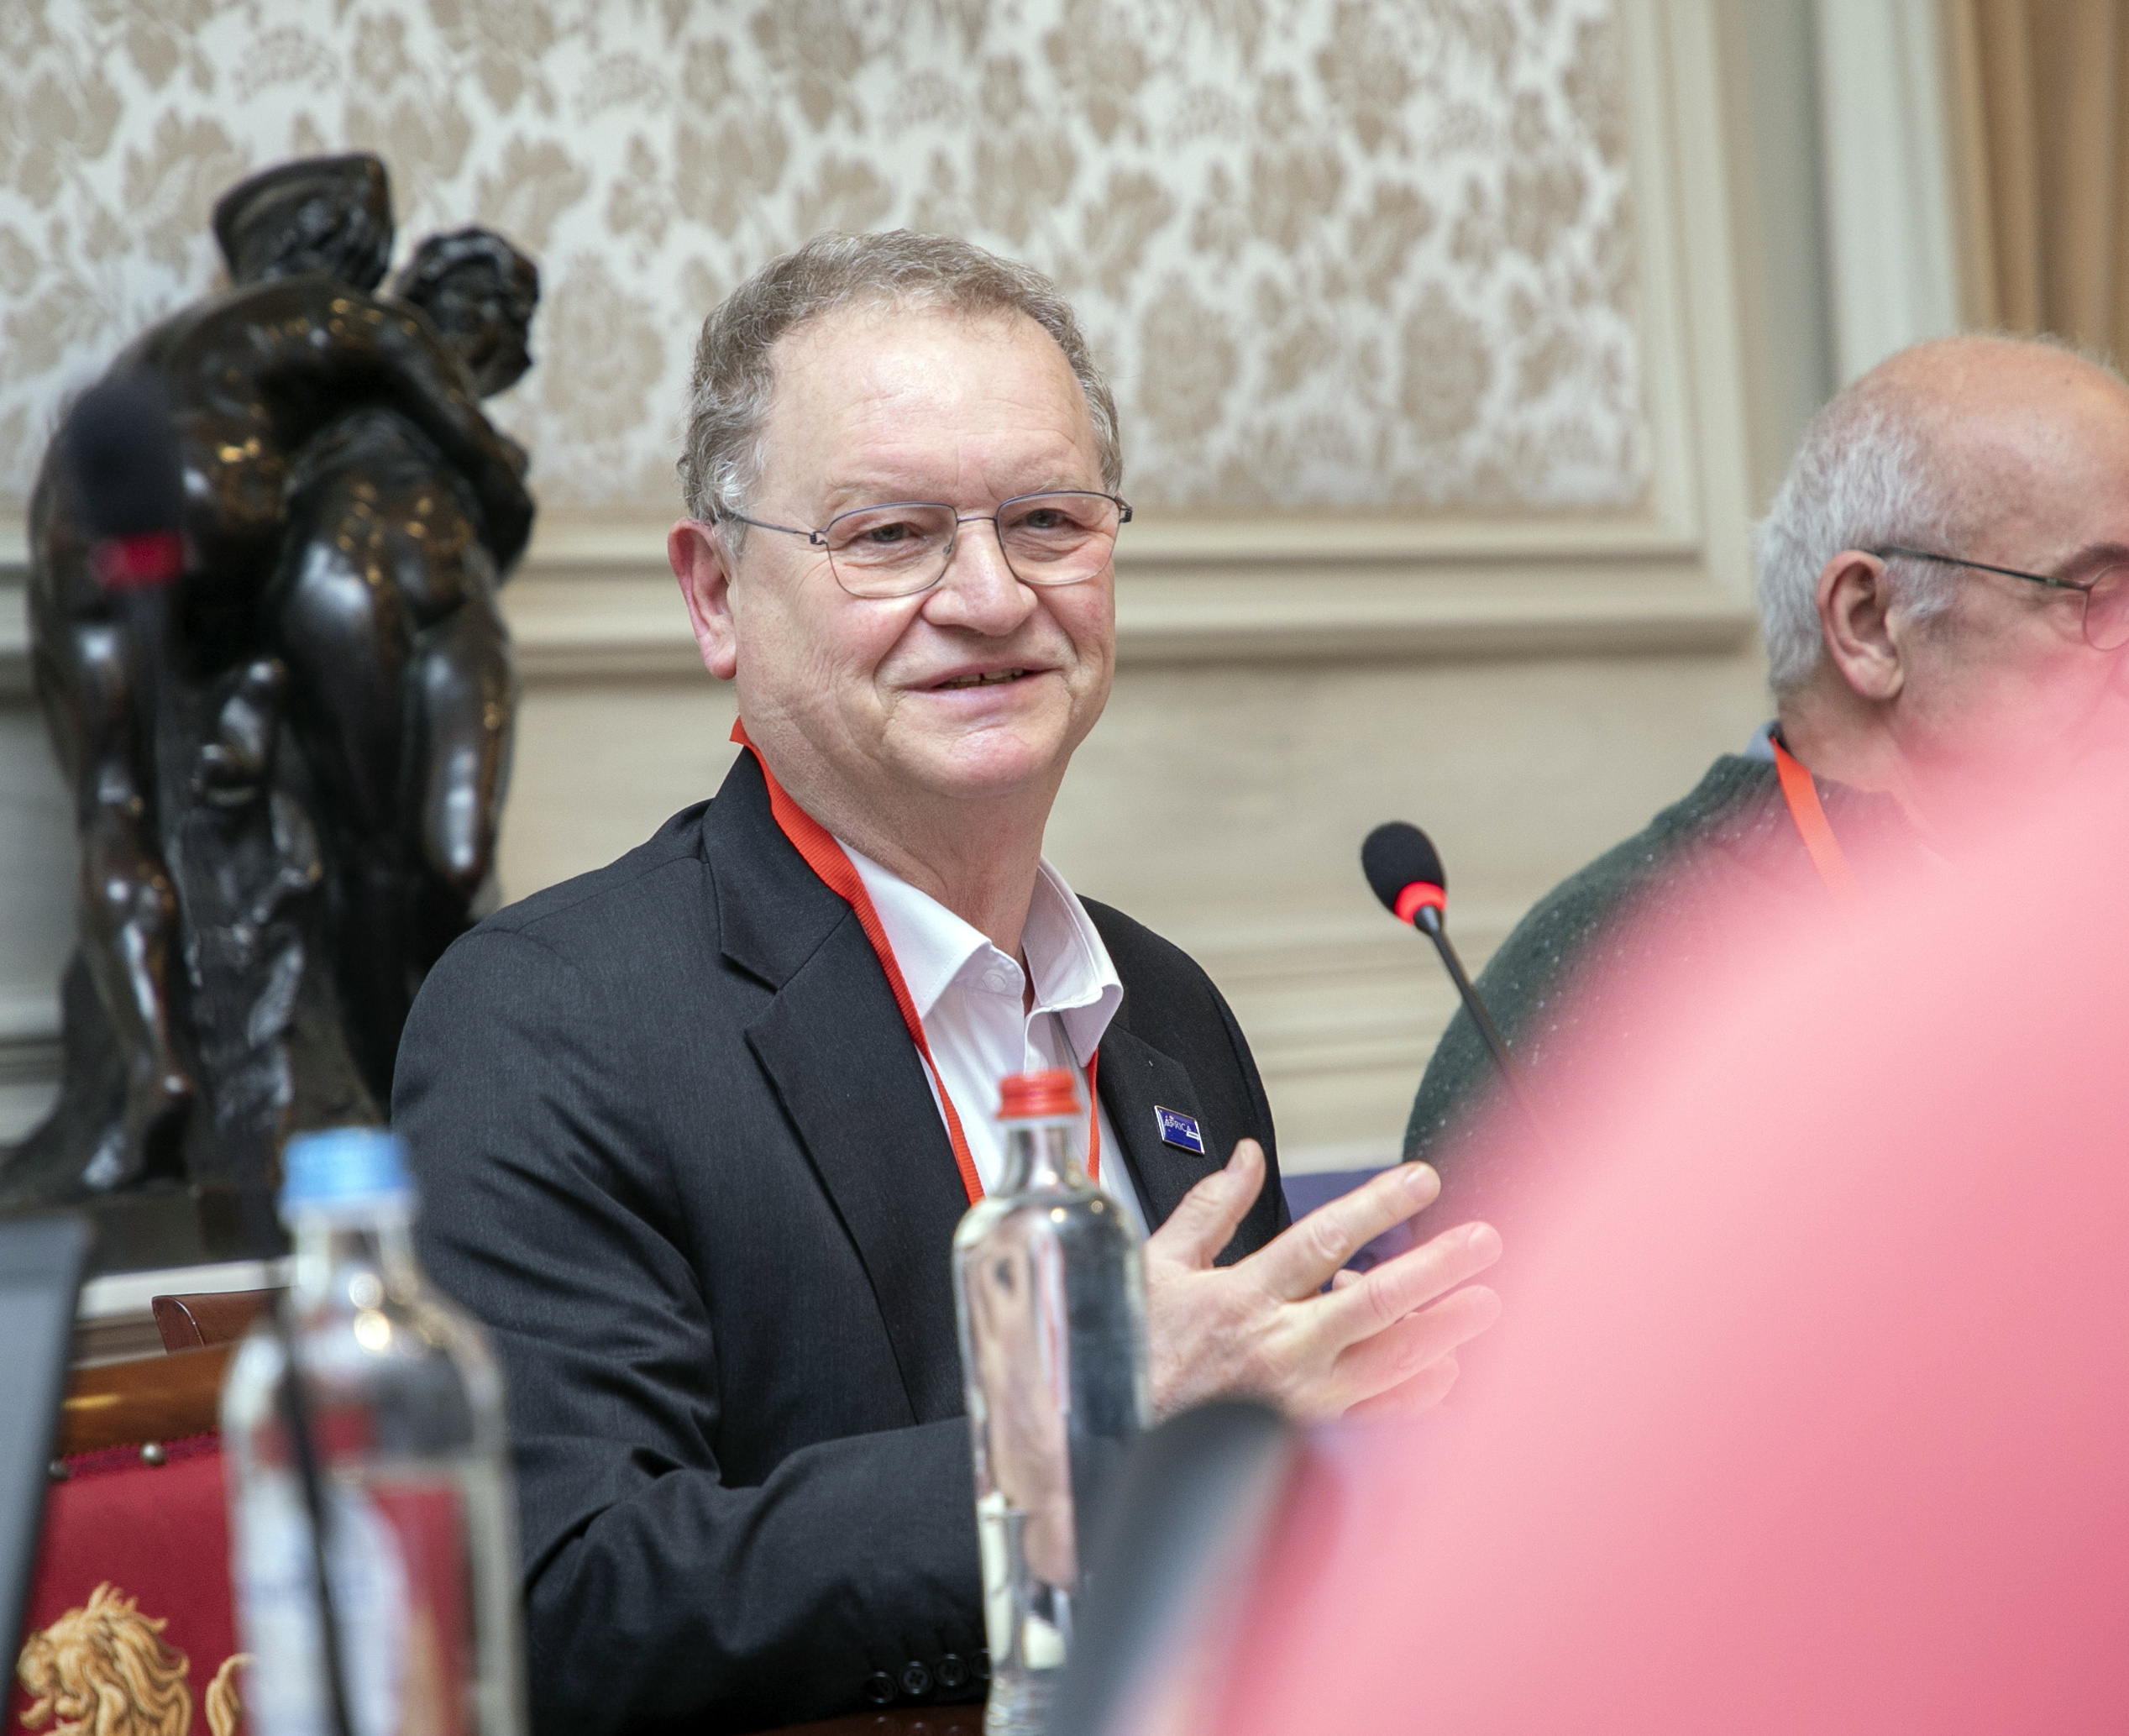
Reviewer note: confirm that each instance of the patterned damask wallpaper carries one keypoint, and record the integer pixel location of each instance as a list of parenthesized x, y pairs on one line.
[(1339, 253)]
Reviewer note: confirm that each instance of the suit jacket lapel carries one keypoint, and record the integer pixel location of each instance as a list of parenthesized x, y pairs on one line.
[(850, 1079), (833, 1044), (1135, 1078)]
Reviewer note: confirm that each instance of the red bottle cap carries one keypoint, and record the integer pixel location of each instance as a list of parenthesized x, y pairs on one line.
[(1023, 1097)]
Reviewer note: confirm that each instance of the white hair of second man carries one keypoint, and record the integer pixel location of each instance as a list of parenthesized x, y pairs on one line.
[(1873, 470), (1864, 477)]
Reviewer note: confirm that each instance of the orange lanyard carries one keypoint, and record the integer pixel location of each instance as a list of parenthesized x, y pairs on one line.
[(1824, 849), (839, 874)]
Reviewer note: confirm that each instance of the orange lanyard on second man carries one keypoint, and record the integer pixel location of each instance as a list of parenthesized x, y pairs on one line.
[(1802, 794), (839, 874)]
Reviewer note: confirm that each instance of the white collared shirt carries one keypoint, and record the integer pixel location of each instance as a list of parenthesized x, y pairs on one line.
[(970, 997)]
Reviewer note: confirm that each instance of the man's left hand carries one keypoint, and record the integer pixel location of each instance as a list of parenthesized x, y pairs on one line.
[(1264, 1326)]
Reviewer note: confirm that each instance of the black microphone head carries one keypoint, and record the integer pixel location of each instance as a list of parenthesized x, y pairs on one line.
[(1398, 855), (120, 450)]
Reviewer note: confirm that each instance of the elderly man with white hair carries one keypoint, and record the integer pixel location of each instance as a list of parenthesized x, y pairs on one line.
[(1944, 593)]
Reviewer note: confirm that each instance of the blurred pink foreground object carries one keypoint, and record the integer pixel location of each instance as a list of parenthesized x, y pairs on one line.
[(1809, 1410)]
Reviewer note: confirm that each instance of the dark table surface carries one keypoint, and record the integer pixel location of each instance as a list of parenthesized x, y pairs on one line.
[(910, 1721)]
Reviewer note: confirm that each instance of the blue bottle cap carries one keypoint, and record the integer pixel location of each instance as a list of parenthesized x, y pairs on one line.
[(342, 1165)]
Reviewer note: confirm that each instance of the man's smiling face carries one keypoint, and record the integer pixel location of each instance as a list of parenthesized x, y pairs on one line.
[(978, 687)]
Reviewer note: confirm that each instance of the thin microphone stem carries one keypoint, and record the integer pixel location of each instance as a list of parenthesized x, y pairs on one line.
[(1427, 921)]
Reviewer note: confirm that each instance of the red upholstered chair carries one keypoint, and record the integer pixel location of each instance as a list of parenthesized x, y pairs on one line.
[(129, 1604)]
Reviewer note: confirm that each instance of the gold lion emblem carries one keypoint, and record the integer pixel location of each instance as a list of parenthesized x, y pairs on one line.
[(106, 1670)]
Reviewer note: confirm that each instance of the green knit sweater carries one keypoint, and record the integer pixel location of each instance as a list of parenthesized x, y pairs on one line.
[(1734, 830)]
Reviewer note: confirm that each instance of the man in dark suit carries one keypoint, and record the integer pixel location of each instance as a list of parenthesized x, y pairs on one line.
[(687, 1127)]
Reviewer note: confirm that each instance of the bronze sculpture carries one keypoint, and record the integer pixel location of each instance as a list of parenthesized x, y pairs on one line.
[(288, 773)]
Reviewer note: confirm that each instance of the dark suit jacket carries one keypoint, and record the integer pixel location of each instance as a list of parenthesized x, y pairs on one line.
[(676, 1151)]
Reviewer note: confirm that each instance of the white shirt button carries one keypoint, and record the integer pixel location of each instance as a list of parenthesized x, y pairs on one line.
[(1000, 980)]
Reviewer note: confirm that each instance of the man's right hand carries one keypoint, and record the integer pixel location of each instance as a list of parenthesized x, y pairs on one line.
[(1264, 1327)]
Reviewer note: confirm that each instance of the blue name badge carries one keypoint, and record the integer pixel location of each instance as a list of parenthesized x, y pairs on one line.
[(1177, 1128)]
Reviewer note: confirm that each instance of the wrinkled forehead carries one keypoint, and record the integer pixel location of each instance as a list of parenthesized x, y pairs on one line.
[(922, 373), (864, 344)]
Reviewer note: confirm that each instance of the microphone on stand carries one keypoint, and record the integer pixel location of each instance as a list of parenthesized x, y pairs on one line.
[(1404, 866)]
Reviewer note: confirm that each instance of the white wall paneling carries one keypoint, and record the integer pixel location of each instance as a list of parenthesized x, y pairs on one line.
[(1892, 221), (1779, 218)]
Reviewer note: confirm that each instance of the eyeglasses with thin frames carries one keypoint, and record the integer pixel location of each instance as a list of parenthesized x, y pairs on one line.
[(1062, 536), (2105, 594)]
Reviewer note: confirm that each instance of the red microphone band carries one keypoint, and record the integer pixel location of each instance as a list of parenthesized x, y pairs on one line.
[(1416, 896), (137, 563)]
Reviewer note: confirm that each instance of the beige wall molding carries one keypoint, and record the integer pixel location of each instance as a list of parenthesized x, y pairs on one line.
[(623, 619), (564, 540), (617, 627)]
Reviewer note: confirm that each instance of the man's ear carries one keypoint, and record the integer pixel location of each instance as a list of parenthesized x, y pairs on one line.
[(1854, 619), (697, 553)]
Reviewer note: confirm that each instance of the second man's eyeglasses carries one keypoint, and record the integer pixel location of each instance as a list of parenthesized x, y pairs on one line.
[(2106, 593)]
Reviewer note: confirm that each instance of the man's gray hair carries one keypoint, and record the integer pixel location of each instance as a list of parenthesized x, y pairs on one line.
[(1877, 466), (1867, 475), (728, 396)]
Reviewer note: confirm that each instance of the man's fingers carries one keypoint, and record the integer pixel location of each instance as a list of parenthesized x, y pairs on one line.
[(1423, 1392), (1206, 1219), (1414, 1278), (1301, 1262), (1399, 1353)]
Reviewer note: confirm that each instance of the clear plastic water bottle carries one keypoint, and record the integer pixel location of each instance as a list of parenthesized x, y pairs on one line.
[(404, 1407), (1051, 1295)]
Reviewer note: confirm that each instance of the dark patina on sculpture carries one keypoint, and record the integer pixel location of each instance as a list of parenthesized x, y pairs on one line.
[(288, 773)]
